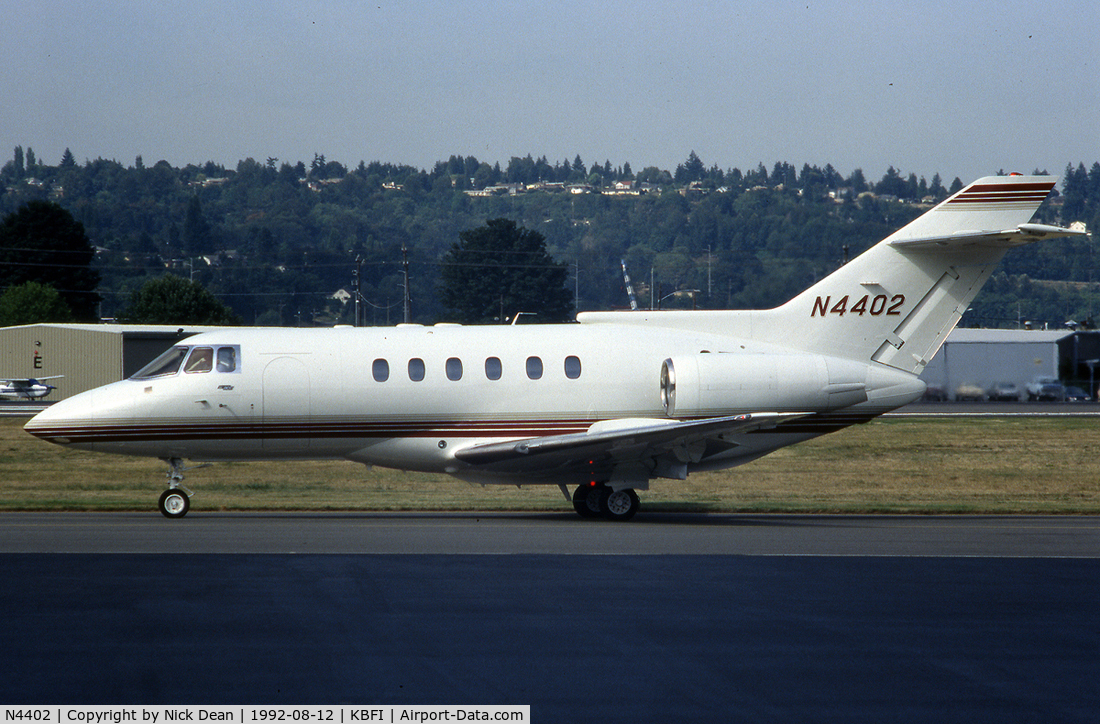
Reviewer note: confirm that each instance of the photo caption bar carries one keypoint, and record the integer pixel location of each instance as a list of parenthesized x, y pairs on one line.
[(344, 714)]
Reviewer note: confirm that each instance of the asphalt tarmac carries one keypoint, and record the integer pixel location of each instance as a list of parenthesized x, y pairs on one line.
[(667, 618), (556, 534)]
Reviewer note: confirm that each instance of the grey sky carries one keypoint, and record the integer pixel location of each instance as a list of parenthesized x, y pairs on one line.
[(962, 89)]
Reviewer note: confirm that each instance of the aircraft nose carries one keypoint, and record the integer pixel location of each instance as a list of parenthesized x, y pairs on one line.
[(62, 421)]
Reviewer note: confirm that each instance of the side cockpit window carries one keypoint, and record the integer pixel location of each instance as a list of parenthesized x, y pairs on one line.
[(227, 359), (207, 359)]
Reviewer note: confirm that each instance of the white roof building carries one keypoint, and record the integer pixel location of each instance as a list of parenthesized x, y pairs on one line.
[(983, 357)]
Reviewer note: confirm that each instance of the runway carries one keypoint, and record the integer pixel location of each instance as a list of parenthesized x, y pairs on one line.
[(677, 617), (997, 409), (561, 534)]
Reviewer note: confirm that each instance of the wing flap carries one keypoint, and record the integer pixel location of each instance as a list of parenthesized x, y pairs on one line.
[(615, 442)]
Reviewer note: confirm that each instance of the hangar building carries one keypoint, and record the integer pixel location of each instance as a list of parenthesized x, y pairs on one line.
[(88, 355), (983, 357)]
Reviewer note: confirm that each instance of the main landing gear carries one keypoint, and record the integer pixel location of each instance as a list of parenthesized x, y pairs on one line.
[(592, 501), (176, 501)]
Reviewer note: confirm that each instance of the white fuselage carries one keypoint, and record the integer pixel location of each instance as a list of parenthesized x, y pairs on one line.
[(360, 394)]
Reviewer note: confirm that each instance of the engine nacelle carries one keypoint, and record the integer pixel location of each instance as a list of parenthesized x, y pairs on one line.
[(714, 384)]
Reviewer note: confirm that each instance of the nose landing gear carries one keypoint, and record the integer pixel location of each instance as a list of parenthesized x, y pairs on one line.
[(176, 501)]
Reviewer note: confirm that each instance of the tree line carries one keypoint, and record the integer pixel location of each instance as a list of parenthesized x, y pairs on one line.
[(273, 240)]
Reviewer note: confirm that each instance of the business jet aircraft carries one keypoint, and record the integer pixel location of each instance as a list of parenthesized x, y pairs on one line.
[(26, 388), (603, 406)]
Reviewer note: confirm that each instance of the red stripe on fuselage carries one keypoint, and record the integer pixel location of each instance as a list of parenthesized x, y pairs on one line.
[(337, 429), (349, 429)]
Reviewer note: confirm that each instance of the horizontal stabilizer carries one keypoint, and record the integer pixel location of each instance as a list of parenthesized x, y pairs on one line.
[(984, 208), (1022, 234)]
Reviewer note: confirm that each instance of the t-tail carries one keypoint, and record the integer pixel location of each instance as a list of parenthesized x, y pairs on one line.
[(897, 302)]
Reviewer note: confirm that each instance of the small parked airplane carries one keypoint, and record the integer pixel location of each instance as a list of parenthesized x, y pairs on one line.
[(26, 388), (603, 406)]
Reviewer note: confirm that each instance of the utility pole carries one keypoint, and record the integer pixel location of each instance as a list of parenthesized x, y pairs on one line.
[(355, 282), (708, 278), (406, 302), (577, 285)]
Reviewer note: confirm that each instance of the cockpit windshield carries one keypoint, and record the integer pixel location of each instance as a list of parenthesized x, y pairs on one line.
[(167, 364), (198, 360), (201, 360)]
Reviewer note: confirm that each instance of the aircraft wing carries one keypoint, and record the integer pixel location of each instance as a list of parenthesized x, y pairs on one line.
[(666, 446), (25, 388), (22, 382)]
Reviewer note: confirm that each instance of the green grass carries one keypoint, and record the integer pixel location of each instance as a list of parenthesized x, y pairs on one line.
[(900, 465)]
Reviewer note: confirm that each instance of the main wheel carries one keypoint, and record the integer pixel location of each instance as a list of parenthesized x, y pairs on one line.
[(586, 500), (619, 504), (174, 503)]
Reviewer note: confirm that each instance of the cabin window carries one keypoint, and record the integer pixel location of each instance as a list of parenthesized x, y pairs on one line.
[(227, 359), (534, 368), (166, 364), (201, 360), (492, 368), (454, 369), (416, 369), (381, 370), (572, 367)]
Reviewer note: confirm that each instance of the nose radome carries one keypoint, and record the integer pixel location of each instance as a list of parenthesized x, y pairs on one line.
[(64, 417)]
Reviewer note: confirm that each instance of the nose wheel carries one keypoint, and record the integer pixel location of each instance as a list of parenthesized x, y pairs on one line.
[(174, 503)]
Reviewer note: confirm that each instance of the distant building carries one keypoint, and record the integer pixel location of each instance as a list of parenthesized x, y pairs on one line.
[(983, 357), (88, 355)]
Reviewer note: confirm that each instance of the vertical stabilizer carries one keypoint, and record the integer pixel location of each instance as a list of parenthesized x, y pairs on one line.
[(897, 302)]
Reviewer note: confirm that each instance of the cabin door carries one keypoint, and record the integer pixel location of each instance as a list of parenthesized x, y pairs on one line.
[(286, 405)]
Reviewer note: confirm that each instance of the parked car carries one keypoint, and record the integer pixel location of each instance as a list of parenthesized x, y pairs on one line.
[(1004, 392), (969, 391), (1046, 388), (1076, 394), (934, 393)]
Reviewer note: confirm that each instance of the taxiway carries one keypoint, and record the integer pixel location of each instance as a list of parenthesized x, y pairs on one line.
[(671, 617)]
